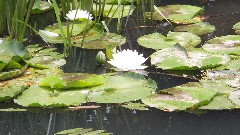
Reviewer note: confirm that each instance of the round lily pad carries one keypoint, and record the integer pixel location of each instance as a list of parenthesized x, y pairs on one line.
[(158, 41), (180, 98), (178, 13), (197, 28), (225, 44), (234, 97), (41, 7), (37, 96), (177, 58), (122, 88)]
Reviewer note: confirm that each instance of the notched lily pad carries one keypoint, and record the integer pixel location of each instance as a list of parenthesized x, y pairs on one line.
[(197, 28), (158, 41), (177, 58), (71, 80), (225, 44), (122, 88), (37, 96), (178, 13), (180, 98)]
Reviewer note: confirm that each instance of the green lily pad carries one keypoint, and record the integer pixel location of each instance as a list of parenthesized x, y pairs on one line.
[(93, 33), (41, 7), (158, 41), (109, 40), (233, 65), (111, 11), (177, 58), (178, 13), (197, 28), (12, 51), (236, 27), (76, 27), (225, 44), (71, 80), (122, 88), (235, 97), (135, 106), (45, 58), (219, 103), (82, 131), (51, 98), (180, 98)]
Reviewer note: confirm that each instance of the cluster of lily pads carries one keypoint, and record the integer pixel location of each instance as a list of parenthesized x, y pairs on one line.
[(32, 78)]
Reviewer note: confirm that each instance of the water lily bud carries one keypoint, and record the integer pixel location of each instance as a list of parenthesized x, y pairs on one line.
[(101, 58)]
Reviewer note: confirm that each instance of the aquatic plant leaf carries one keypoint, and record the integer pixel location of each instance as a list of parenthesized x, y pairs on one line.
[(51, 98), (9, 74), (135, 106), (82, 131), (180, 98), (185, 39), (41, 7), (219, 86), (122, 88), (109, 40), (175, 58), (74, 27), (236, 27), (235, 97), (93, 33), (111, 11), (178, 13), (233, 65), (11, 50), (219, 103), (225, 44), (71, 80), (158, 41), (116, 1), (197, 28), (221, 74), (45, 58), (13, 110)]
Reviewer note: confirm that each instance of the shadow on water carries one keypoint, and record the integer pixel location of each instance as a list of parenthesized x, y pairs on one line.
[(112, 118)]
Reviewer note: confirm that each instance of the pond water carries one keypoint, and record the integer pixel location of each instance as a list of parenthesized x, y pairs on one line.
[(120, 121)]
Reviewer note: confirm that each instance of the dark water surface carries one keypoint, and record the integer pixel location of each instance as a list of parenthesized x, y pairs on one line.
[(120, 121)]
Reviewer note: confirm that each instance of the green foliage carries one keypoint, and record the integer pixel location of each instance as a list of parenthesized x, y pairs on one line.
[(41, 7), (236, 27), (176, 58), (197, 28), (82, 131), (135, 106)]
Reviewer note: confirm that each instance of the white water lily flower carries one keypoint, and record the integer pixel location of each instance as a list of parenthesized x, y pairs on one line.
[(49, 33), (128, 60), (78, 14)]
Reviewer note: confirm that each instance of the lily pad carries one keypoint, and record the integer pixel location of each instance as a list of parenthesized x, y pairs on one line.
[(93, 33), (111, 11), (41, 7), (109, 40), (225, 44), (233, 65), (71, 80), (177, 58), (180, 98), (158, 41), (12, 51), (135, 106), (235, 97), (122, 88), (200, 28), (178, 13), (82, 131), (219, 103), (45, 58), (236, 27), (51, 98), (116, 1)]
